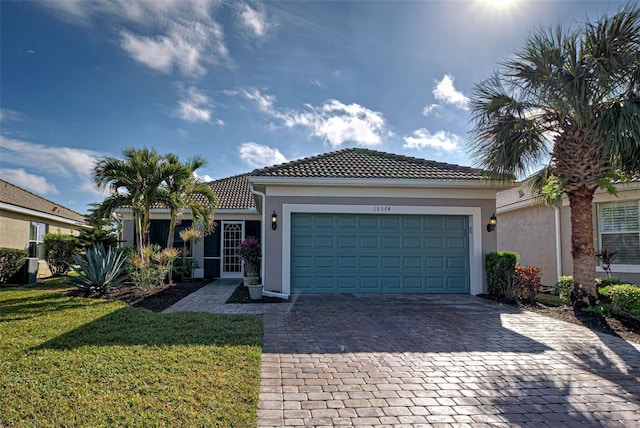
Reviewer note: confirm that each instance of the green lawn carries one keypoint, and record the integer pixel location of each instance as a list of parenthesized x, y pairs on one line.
[(70, 361)]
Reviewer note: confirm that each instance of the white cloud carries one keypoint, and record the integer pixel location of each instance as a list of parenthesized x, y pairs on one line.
[(186, 46), (430, 108), (260, 155), (333, 121), (220, 122), (170, 34), (60, 161), (254, 20), (194, 106), (205, 177), (35, 183), (445, 92), (441, 140), (8, 115), (316, 82), (263, 101)]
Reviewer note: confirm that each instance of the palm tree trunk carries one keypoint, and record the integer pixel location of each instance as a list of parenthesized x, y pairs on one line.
[(584, 262), (146, 227), (172, 230)]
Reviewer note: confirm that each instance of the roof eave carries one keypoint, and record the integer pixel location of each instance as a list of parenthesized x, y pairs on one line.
[(382, 182), (43, 215)]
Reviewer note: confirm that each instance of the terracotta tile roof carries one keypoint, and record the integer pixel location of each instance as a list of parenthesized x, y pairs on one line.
[(19, 197), (371, 164), (233, 193), (512, 196)]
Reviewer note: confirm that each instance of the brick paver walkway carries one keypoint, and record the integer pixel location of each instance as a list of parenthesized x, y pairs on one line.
[(425, 360)]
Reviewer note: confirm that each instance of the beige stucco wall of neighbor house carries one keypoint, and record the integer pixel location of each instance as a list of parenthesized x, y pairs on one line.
[(531, 233), (538, 246), (15, 230), (277, 197)]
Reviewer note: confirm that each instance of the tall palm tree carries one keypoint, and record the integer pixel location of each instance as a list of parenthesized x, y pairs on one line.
[(134, 182), (185, 192), (570, 97)]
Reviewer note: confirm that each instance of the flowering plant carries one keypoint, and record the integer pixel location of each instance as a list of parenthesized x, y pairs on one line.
[(249, 252)]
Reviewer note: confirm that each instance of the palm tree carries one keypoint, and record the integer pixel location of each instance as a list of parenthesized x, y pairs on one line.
[(571, 97), (133, 182), (184, 192)]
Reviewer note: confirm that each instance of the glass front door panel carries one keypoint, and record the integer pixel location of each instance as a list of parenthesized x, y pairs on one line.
[(232, 236)]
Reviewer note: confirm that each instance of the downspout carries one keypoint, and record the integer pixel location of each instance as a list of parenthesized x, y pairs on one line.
[(262, 247), (558, 242)]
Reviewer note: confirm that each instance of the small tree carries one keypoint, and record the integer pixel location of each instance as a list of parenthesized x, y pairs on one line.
[(104, 230)]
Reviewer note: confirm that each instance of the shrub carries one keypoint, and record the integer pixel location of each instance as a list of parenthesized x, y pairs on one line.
[(11, 261), (99, 270), (59, 249), (565, 286), (604, 285), (150, 268), (501, 267), (149, 276), (527, 281), (625, 298)]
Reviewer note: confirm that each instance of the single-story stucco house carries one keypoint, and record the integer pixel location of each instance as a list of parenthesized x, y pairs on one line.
[(351, 221), (26, 217), (542, 234)]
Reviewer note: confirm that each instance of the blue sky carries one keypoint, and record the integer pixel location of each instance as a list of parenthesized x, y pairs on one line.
[(245, 84)]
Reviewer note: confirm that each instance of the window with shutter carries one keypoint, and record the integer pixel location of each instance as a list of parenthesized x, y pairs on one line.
[(619, 229)]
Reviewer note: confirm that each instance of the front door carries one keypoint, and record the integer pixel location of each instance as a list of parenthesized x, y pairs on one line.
[(232, 233)]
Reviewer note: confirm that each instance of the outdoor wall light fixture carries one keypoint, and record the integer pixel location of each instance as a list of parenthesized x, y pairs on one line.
[(274, 220), (492, 223)]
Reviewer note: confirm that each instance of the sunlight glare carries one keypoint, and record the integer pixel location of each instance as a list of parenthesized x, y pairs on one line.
[(501, 4)]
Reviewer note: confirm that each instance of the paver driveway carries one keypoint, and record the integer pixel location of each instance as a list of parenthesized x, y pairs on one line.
[(423, 360)]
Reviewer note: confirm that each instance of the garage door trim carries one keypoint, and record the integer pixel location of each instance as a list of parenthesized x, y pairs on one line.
[(475, 238)]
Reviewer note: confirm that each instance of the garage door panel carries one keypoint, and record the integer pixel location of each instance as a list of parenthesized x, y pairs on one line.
[(369, 262), (390, 242), (456, 263), (390, 223), (391, 262), (369, 242), (368, 283), (435, 283), (412, 262), (358, 253), (324, 241), (325, 262), (302, 242)]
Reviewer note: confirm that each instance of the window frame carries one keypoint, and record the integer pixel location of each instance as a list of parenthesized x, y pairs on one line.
[(616, 267), (37, 242)]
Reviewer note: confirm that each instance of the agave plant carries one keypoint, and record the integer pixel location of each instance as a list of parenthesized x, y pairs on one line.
[(99, 270)]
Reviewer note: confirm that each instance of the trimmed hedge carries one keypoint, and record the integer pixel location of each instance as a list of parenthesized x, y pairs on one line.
[(59, 250), (11, 261), (624, 299), (501, 267)]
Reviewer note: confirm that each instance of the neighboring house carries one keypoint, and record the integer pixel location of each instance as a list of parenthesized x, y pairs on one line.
[(25, 218), (352, 221), (542, 234)]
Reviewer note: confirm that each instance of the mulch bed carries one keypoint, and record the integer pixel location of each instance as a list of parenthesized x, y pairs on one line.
[(156, 300), (627, 329), (241, 295)]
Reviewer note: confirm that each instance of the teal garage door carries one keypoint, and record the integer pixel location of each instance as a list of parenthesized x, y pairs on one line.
[(361, 253)]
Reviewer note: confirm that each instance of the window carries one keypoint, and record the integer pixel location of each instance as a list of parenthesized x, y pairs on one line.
[(619, 228), (36, 240)]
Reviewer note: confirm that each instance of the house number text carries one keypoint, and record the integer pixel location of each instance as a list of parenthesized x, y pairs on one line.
[(381, 209)]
